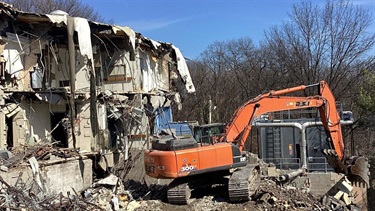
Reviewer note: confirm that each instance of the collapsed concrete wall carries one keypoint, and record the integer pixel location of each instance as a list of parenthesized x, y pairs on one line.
[(73, 175)]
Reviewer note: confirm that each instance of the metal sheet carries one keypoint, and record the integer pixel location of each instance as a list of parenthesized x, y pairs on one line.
[(128, 31), (82, 27), (58, 19), (184, 70), (14, 63)]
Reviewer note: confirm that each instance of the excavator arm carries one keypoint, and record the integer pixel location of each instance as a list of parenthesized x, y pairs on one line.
[(239, 127)]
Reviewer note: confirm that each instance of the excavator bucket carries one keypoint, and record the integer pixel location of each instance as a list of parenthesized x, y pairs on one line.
[(359, 170)]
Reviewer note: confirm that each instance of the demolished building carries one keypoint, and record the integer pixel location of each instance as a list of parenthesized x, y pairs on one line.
[(79, 84)]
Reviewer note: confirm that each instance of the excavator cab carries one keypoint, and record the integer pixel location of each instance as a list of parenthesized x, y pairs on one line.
[(208, 133)]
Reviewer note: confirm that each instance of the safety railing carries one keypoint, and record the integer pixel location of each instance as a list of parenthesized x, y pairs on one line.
[(318, 164), (314, 164), (284, 163)]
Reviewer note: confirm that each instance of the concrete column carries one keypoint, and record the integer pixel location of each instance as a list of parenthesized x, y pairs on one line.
[(72, 66), (3, 131)]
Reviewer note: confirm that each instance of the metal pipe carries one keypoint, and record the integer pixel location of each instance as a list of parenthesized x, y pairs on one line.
[(304, 141), (278, 124), (300, 126), (291, 175), (209, 110), (72, 65), (288, 124), (292, 89)]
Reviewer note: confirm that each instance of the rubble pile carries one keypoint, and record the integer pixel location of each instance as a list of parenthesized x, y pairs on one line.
[(111, 193), (30, 195), (271, 195), (117, 193), (106, 194), (41, 152)]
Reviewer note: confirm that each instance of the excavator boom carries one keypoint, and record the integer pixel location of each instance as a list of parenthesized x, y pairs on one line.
[(274, 101), (239, 127)]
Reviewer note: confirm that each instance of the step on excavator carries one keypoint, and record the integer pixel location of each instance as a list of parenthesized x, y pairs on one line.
[(194, 163)]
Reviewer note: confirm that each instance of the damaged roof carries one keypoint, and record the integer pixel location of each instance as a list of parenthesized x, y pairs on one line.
[(134, 39)]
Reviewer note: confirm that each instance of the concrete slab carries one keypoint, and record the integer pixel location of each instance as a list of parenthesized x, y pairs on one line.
[(60, 177)]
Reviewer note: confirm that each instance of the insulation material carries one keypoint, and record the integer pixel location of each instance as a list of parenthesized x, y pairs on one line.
[(152, 78), (183, 70), (58, 19), (178, 101), (81, 26), (13, 62), (36, 172), (155, 44), (149, 81)]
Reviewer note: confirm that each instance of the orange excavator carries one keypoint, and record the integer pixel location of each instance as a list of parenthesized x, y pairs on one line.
[(192, 163)]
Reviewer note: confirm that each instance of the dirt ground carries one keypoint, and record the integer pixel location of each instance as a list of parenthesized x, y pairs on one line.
[(270, 196)]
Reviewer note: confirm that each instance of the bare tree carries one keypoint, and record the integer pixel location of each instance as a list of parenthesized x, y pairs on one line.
[(72, 7), (327, 43), (319, 43), (229, 73)]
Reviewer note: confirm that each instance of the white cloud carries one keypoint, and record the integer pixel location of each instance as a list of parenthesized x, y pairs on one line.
[(149, 25)]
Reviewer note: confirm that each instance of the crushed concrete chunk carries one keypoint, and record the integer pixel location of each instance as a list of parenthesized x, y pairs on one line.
[(110, 180), (4, 168), (265, 197), (272, 200), (132, 206), (115, 203)]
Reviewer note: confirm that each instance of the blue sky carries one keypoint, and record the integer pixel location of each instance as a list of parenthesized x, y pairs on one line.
[(192, 25)]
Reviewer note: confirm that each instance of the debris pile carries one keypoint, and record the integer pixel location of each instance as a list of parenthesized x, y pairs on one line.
[(111, 193), (114, 193), (29, 195), (42, 152), (270, 196), (106, 194)]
